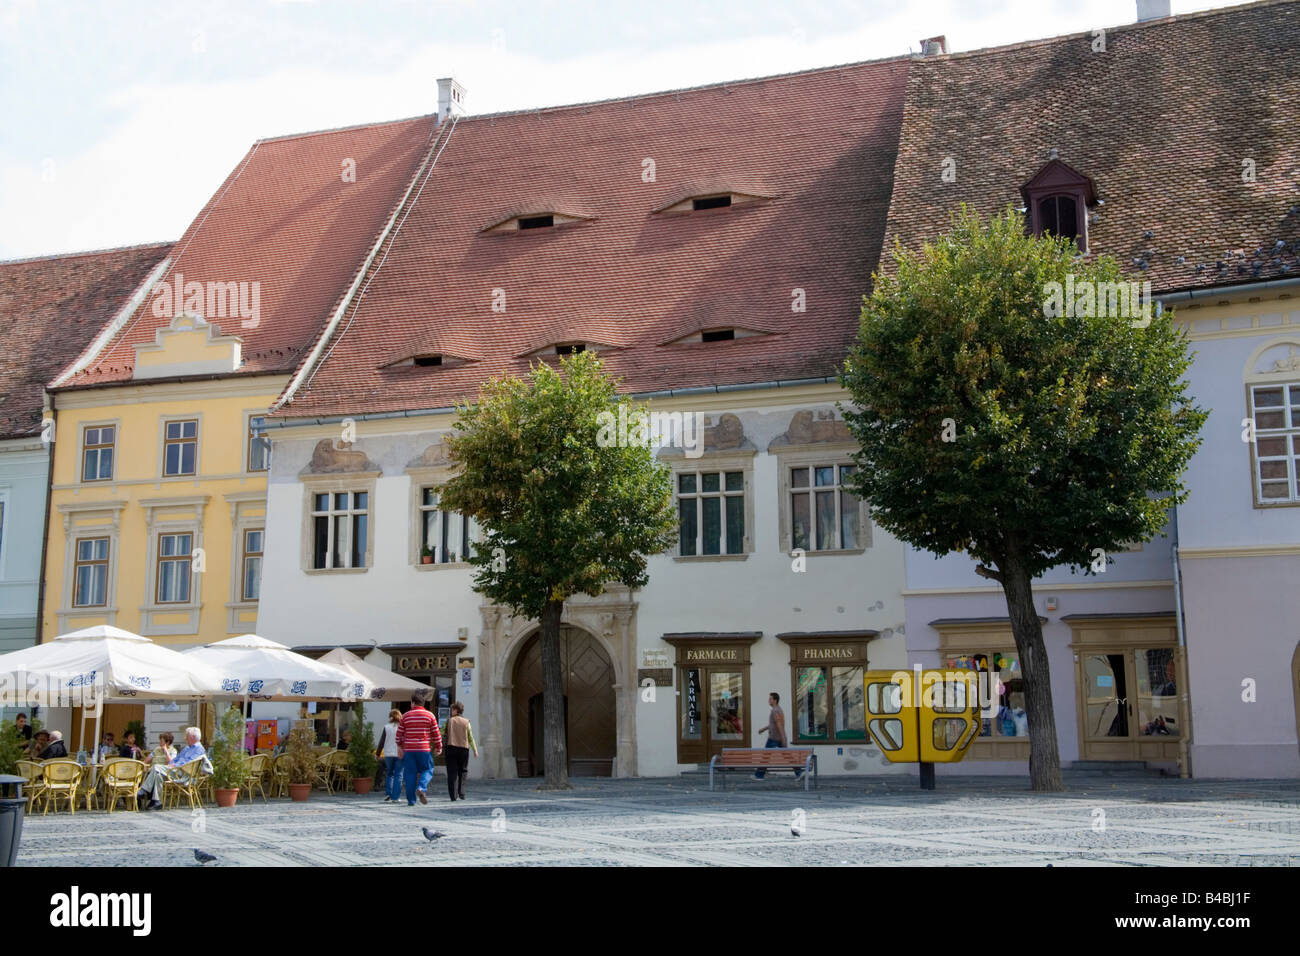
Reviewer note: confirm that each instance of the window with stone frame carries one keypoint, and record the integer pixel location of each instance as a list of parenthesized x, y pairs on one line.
[(824, 514), (711, 512), (340, 529), (97, 447), (90, 573), (1275, 409), (447, 536), (251, 564)]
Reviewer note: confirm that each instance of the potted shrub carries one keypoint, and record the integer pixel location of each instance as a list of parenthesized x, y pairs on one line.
[(229, 762), (426, 555), (302, 760), (361, 751)]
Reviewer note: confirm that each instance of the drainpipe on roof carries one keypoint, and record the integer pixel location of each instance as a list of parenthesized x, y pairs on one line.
[(1184, 704), (1190, 295), (45, 527)]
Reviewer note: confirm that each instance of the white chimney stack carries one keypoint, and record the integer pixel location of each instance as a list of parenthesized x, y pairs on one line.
[(451, 99), (1152, 9), (934, 46)]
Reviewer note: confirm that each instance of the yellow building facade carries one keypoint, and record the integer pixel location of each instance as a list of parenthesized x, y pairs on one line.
[(158, 495)]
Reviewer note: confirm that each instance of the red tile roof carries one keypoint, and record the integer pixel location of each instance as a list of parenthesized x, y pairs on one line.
[(51, 309), (286, 219), (817, 147), (1161, 121)]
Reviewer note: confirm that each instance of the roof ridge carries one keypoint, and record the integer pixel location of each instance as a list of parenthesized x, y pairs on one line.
[(88, 252), (719, 84), (343, 129), (1131, 25)]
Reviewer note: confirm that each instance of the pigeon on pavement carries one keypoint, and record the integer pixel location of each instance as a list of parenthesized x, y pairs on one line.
[(431, 835), (203, 857)]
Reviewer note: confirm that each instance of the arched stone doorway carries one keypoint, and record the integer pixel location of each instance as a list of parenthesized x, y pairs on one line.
[(589, 699), (611, 618), (1295, 687)]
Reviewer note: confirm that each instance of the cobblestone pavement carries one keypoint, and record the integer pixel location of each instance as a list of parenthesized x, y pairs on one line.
[(1120, 820)]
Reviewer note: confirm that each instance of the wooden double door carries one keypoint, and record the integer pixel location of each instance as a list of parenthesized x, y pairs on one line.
[(589, 703), (1128, 698)]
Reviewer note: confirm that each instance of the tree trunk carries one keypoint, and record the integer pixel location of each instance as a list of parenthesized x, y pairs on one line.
[(1044, 755), (553, 734)]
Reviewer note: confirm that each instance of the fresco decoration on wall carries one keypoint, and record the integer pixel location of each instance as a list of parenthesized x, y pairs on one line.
[(813, 427), (328, 459), (435, 456)]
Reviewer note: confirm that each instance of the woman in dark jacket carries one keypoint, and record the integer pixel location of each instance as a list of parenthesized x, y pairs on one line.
[(57, 747)]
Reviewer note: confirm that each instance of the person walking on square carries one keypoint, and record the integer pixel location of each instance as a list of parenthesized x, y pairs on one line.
[(387, 750), (775, 729), (417, 733), (460, 739)]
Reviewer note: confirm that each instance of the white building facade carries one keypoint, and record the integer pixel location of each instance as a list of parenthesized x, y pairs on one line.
[(658, 680)]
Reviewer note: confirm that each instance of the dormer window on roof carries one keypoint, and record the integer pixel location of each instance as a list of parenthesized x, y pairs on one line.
[(424, 355), (699, 199), (570, 348), (710, 202), (537, 217), (726, 333), (1057, 200)]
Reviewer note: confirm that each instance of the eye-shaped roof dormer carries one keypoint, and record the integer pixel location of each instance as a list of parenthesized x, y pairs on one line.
[(537, 214), (701, 196)]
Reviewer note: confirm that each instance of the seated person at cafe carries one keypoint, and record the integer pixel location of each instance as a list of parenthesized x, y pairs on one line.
[(129, 748), (57, 748), (24, 728), (345, 740), (107, 748), (153, 782), (37, 747), (164, 753)]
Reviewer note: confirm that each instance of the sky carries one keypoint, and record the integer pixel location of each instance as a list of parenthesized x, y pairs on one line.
[(120, 118)]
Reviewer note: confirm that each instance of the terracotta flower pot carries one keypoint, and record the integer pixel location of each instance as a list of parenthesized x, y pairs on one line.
[(362, 784), (426, 559), (225, 797), (298, 791)]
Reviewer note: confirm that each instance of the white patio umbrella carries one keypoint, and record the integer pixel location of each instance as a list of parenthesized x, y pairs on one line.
[(377, 683), (109, 659), (83, 668), (253, 667)]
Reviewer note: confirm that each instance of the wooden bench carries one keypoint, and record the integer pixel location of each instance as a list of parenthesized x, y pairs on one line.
[(733, 759)]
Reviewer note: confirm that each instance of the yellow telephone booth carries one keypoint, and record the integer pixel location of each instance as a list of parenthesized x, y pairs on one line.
[(923, 716)]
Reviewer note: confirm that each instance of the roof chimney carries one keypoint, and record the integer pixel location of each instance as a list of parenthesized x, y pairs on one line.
[(451, 99), (934, 46), (1152, 9)]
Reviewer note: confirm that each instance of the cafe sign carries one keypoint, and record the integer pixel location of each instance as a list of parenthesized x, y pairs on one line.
[(422, 663)]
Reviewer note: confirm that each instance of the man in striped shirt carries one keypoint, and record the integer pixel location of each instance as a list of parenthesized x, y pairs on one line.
[(416, 732)]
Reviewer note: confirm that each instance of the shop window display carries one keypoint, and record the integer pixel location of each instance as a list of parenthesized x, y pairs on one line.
[(1006, 683)]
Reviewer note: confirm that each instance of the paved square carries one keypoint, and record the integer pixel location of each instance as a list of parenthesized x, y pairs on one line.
[(1122, 819)]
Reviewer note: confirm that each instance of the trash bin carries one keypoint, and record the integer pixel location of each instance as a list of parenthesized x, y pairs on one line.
[(11, 817)]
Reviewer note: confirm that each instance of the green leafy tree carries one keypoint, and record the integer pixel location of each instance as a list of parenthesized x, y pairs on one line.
[(229, 761), (562, 512), (361, 750), (991, 424), (13, 745)]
